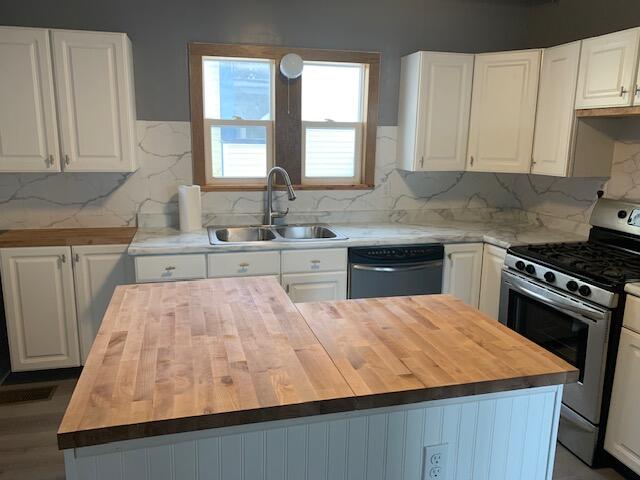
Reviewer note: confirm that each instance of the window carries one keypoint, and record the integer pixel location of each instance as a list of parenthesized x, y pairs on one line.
[(332, 122), (238, 126), (246, 117)]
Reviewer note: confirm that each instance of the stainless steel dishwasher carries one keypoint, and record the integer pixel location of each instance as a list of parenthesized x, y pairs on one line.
[(395, 270)]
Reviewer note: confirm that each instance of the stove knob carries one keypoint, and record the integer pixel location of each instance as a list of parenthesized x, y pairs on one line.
[(572, 286), (531, 270), (550, 277), (520, 265), (584, 291), (622, 214)]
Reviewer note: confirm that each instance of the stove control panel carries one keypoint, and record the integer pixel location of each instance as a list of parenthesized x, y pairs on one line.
[(561, 281)]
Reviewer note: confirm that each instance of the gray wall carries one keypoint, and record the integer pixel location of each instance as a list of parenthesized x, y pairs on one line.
[(160, 31), (568, 20)]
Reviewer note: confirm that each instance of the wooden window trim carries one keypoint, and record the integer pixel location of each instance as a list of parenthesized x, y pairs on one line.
[(288, 124)]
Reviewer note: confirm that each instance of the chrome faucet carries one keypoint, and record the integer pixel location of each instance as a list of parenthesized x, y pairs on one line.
[(270, 214)]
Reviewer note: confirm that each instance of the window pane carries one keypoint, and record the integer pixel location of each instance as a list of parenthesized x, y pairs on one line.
[(332, 91), (238, 152), (330, 152), (237, 89)]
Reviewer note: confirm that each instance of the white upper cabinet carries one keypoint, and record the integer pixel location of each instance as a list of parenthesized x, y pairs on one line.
[(503, 108), (94, 84), (435, 100), (28, 130), (608, 68), (555, 116), (67, 101)]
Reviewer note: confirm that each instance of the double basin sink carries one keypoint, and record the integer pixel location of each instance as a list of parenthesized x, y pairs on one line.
[(276, 233)]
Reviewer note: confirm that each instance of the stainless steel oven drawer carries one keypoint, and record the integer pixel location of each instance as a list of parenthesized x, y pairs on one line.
[(577, 434)]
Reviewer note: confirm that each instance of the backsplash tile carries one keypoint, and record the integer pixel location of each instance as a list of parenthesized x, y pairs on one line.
[(164, 149)]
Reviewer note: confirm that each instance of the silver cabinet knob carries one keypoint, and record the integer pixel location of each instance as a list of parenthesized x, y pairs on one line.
[(63, 258), (67, 160), (51, 160), (623, 92)]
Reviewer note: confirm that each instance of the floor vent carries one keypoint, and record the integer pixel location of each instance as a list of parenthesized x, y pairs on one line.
[(26, 394)]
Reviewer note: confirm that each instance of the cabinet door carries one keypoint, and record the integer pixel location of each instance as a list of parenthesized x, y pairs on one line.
[(445, 107), (28, 132), (623, 432), (95, 101), (315, 287), (98, 269), (462, 269), (555, 116), (503, 108), (608, 70), (40, 309), (492, 262)]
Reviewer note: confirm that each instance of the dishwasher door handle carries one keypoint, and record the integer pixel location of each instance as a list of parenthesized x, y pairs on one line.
[(403, 268)]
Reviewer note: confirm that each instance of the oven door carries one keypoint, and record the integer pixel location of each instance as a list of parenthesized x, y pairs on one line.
[(572, 329)]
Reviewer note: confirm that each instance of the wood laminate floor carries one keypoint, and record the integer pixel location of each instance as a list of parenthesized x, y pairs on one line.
[(28, 449)]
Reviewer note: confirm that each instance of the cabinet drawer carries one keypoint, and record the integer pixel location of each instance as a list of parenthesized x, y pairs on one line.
[(244, 264), (632, 313), (165, 268), (321, 260)]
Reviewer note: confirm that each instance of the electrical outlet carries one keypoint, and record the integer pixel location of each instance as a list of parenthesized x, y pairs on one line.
[(435, 462)]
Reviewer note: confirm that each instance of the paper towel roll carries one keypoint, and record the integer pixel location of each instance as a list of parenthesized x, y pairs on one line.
[(190, 207)]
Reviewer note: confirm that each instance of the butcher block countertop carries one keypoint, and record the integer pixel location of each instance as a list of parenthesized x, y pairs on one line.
[(184, 356), (57, 237)]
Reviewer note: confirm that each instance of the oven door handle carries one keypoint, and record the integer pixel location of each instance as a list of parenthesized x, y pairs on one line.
[(594, 315), (405, 268)]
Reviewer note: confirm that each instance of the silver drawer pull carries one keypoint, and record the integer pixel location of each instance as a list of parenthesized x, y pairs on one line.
[(63, 258), (51, 161), (243, 265), (315, 261), (170, 267), (623, 92)]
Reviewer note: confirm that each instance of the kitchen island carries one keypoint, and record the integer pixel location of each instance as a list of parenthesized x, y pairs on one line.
[(226, 378)]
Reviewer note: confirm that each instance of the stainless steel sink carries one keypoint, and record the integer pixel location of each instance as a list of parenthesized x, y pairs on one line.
[(305, 232), (281, 234), (241, 235)]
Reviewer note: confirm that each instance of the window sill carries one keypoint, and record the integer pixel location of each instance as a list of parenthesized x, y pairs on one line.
[(256, 188)]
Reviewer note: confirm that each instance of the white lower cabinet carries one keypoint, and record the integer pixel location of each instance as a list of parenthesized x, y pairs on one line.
[(243, 264), (315, 287), (167, 268), (98, 269), (462, 271), (623, 432), (315, 275), (55, 298), (492, 262), (40, 307)]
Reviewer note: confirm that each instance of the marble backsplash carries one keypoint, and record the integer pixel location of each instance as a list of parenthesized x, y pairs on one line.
[(104, 199)]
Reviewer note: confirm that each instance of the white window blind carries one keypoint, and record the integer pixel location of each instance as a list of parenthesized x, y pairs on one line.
[(238, 123), (332, 122)]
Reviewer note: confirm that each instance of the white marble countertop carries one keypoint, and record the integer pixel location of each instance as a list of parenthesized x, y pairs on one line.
[(172, 241)]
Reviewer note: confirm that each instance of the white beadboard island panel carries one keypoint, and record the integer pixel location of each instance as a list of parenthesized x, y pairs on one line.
[(500, 436)]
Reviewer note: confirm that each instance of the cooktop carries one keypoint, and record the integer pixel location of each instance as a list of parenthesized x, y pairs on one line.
[(596, 262)]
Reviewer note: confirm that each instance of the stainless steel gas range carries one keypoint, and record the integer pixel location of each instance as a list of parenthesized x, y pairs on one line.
[(569, 299)]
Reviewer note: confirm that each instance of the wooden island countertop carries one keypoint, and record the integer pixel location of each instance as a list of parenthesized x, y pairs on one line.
[(185, 356)]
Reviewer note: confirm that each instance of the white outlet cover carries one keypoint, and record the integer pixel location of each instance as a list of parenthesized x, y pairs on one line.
[(435, 462)]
